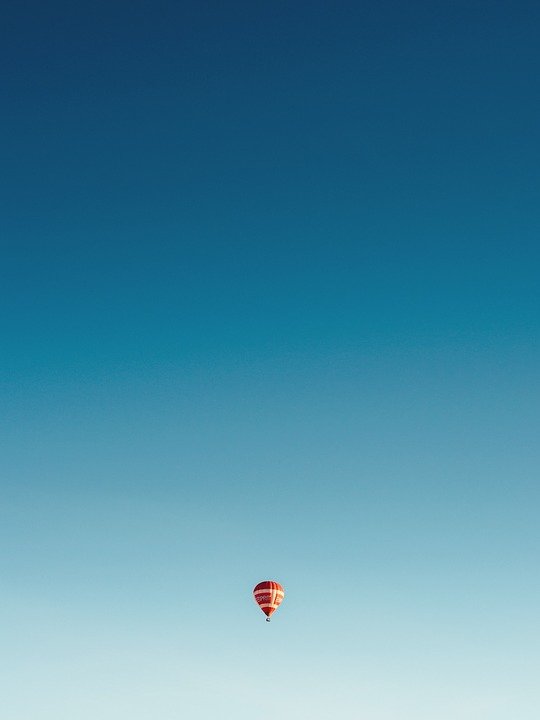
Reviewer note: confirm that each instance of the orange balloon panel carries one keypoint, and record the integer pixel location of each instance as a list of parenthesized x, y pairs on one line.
[(268, 595)]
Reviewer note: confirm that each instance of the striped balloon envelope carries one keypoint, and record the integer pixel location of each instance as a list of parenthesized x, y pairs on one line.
[(268, 595)]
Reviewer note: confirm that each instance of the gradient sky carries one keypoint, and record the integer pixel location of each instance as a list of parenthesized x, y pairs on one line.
[(270, 308)]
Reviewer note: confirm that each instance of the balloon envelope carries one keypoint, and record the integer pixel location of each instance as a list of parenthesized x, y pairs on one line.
[(268, 595)]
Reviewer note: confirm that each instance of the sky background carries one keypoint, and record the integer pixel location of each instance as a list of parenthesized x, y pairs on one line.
[(270, 308)]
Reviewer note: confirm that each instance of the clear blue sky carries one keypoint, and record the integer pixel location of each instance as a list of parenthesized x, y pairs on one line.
[(270, 308)]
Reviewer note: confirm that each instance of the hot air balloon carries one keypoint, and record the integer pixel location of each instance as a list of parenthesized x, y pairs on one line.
[(268, 595)]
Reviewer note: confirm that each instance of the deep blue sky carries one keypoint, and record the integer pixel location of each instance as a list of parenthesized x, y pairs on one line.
[(270, 308)]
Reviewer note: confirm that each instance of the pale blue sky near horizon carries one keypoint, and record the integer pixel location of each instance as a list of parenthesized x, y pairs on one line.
[(270, 310)]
